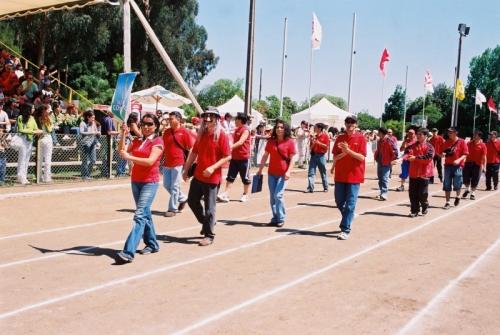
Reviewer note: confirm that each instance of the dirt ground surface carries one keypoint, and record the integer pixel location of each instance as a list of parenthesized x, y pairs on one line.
[(434, 274)]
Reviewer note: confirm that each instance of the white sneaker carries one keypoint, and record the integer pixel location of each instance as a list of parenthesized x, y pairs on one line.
[(343, 236), (244, 198), (223, 197)]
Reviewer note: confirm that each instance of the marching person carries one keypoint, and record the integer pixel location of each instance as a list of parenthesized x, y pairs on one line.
[(240, 159), (492, 161), (405, 164), (420, 155), (475, 163), (302, 134), (319, 146), (145, 154), (212, 151), (280, 149), (177, 142), (455, 151), (437, 142), (349, 153), (386, 153)]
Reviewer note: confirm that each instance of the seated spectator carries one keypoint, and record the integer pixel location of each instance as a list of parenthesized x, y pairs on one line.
[(11, 108), (29, 87), (19, 71), (8, 80)]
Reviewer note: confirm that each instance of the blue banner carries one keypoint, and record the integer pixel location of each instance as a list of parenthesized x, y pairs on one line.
[(120, 105)]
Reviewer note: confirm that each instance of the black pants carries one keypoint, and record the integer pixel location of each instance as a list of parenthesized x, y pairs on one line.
[(419, 192), (439, 168), (471, 173), (492, 173), (204, 214)]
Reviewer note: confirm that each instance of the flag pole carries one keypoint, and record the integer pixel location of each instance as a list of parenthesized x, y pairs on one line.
[(489, 122), (474, 121), (423, 109), (310, 79), (404, 108), (283, 68), (352, 61), (382, 101)]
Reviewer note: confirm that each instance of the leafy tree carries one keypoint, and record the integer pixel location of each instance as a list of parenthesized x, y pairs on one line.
[(220, 92), (260, 106), (394, 107), (442, 98), (289, 107), (432, 112), (367, 121), (337, 101), (396, 126)]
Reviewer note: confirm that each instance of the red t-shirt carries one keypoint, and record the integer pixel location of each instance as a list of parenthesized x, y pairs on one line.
[(493, 153), (277, 163), (437, 142), (322, 138), (349, 169), (460, 150), (174, 155), (142, 149), (243, 151), (476, 152), (210, 152)]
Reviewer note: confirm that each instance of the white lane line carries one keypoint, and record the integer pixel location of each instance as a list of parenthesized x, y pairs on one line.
[(318, 272), (177, 265), (444, 292), (63, 190)]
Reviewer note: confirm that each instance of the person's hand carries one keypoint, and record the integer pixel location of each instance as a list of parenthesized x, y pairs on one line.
[(185, 175), (287, 175), (259, 172), (411, 158), (38, 132), (332, 170), (124, 154), (124, 129), (208, 172), (456, 162)]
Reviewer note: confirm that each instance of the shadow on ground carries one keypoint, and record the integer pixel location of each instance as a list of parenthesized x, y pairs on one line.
[(328, 234)]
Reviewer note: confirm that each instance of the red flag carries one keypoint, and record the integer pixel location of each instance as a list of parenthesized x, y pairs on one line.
[(383, 60), (491, 105)]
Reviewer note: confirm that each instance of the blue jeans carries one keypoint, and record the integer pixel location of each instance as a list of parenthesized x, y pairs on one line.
[(144, 194), (3, 166), (346, 196), (88, 159), (452, 177), (383, 172), (317, 161), (172, 183), (405, 170), (277, 190)]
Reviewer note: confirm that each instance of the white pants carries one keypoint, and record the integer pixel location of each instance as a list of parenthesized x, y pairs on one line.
[(23, 159), (46, 146), (302, 151)]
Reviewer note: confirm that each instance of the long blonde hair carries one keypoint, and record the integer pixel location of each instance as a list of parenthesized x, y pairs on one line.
[(41, 120), (204, 129)]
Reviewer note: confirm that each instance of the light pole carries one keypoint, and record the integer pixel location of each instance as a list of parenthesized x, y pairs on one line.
[(463, 30)]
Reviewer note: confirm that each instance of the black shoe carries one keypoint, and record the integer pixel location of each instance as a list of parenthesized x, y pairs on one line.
[(413, 215), (472, 197), (181, 206), (424, 212), (495, 188), (309, 191), (123, 257), (466, 193), (400, 188), (456, 202), (147, 250), (487, 189), (447, 205), (280, 224)]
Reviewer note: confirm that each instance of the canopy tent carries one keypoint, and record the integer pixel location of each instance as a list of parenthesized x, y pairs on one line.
[(15, 8), (236, 105), (160, 96), (152, 108), (323, 111)]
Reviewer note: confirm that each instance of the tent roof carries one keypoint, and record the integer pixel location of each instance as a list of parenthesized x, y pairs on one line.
[(322, 111), (236, 105), (16, 8)]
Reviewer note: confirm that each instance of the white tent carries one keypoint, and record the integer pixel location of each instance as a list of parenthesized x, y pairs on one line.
[(236, 105), (160, 96), (323, 111)]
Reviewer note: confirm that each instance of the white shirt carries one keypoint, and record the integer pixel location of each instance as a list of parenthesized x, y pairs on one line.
[(4, 120)]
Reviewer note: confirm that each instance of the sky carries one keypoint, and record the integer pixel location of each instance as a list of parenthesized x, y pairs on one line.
[(419, 34)]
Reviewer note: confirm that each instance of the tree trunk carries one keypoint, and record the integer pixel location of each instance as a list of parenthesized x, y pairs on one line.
[(42, 40)]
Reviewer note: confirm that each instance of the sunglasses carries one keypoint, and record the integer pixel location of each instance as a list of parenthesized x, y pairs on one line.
[(149, 124)]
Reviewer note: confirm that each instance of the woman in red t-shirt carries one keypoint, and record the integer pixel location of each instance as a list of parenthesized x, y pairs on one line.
[(145, 153), (281, 149), (319, 143)]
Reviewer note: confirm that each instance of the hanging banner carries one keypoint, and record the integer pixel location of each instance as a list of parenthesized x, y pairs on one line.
[(120, 105)]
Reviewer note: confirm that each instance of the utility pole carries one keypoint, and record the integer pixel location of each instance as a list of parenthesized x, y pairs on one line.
[(249, 73)]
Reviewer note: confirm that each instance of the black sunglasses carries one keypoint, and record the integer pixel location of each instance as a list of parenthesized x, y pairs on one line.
[(149, 124)]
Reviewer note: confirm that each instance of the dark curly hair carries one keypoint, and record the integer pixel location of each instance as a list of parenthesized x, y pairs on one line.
[(286, 127)]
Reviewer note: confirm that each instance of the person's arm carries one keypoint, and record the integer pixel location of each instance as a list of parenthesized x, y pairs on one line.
[(135, 129), (348, 151), (155, 154), (189, 161), (290, 165), (242, 139), (263, 162), (121, 144), (209, 170)]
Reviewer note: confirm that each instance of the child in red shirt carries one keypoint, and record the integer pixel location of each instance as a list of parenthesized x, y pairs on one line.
[(474, 164), (319, 146)]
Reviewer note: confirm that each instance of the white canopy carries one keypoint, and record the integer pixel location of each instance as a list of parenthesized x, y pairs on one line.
[(15, 8), (160, 96), (236, 105), (323, 111), (152, 108)]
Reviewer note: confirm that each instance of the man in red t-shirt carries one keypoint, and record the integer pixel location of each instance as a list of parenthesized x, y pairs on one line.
[(349, 152), (455, 151), (492, 161), (437, 142), (177, 143), (240, 159), (319, 146), (212, 151), (474, 164)]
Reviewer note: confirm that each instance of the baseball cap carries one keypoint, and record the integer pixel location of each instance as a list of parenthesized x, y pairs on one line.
[(211, 110)]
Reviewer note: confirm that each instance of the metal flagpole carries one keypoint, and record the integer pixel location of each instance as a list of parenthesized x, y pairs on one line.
[(423, 109), (454, 100), (249, 74), (489, 122), (127, 63), (404, 109), (283, 59), (382, 101), (260, 85), (310, 78), (474, 121), (352, 61)]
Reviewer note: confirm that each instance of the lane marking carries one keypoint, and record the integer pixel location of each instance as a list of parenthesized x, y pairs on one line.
[(318, 272), (62, 191), (446, 290), (192, 261)]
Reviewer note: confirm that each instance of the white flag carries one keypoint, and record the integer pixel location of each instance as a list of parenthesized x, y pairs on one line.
[(480, 98), (428, 82), (317, 33)]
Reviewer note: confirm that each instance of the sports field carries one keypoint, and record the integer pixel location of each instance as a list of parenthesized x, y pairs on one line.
[(437, 274)]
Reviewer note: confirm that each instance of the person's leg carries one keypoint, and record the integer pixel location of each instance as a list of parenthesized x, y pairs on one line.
[(148, 193), (85, 160), (379, 177), (244, 171), (476, 175), (232, 172), (384, 190), (467, 177), (414, 196), (176, 188), (92, 158), (311, 172), (3, 166), (489, 175), (21, 161), (271, 182), (168, 184), (340, 196), (457, 181), (322, 171), (439, 167), (424, 194), (495, 176), (210, 201), (47, 146), (447, 184), (279, 199), (194, 200), (349, 208)]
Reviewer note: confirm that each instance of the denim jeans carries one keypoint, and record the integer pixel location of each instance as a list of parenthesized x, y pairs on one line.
[(144, 194), (205, 215), (277, 191), (319, 161), (383, 172), (88, 159), (172, 183), (346, 195), (3, 166), (121, 165), (452, 177)]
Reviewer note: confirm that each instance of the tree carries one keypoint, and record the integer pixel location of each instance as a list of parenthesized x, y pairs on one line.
[(367, 121), (337, 101), (396, 126), (394, 107), (220, 92), (432, 112), (289, 107), (260, 106), (442, 98)]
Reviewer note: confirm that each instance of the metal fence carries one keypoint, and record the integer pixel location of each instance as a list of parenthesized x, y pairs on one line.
[(70, 160)]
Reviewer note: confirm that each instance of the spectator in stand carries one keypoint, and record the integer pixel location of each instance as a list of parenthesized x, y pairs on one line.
[(42, 117), (133, 126), (455, 151), (11, 108), (319, 143), (108, 129), (240, 159), (27, 128), (4, 129), (145, 154), (19, 71), (72, 119), (4, 119), (349, 153), (8, 80), (405, 165), (385, 155), (89, 133), (212, 151), (280, 149), (177, 143), (492, 161), (437, 142), (28, 86), (475, 163), (37, 99)]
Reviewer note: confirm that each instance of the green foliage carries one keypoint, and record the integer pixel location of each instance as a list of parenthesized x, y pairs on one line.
[(367, 121), (337, 101), (289, 107), (89, 80), (220, 92), (396, 126), (394, 107), (260, 106), (189, 111)]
